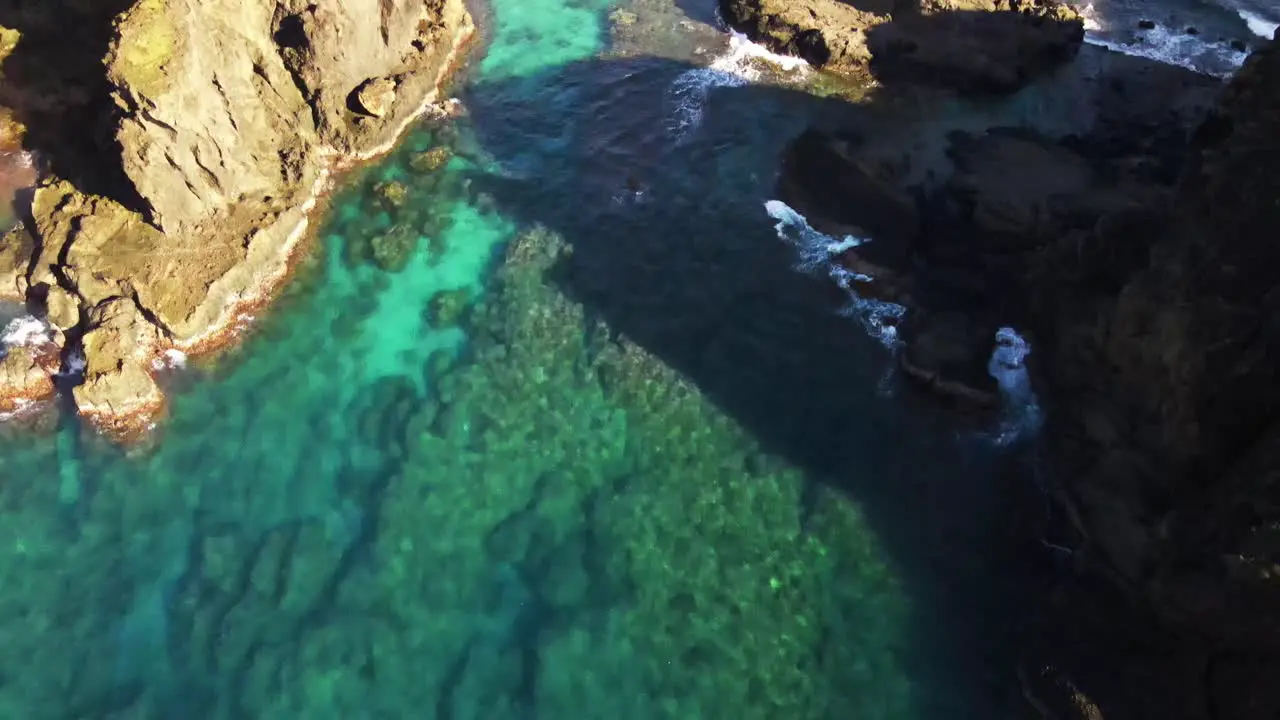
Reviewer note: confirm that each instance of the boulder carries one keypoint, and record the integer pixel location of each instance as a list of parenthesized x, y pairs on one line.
[(825, 33), (26, 375), (375, 96), (948, 353), (118, 392), (1016, 190)]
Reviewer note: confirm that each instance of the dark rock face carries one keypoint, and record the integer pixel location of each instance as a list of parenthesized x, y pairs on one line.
[(1181, 374), (970, 45), (996, 51), (1139, 257)]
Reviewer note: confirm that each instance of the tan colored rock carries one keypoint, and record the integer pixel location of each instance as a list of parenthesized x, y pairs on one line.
[(232, 117), (826, 33), (63, 308), (333, 46), (118, 391), (212, 118), (25, 376), (109, 251), (16, 249), (376, 96)]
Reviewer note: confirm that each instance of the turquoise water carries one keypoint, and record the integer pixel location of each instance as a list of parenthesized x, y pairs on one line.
[(547, 427)]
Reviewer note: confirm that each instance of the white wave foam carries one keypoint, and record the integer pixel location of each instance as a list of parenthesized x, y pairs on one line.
[(73, 364), (171, 359), (738, 66), (26, 331), (1169, 46), (1258, 25), (21, 407), (817, 253), (1008, 366), (1090, 16), (19, 158), (1178, 48)]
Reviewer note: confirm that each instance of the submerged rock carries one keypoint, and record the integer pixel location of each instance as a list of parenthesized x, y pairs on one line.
[(432, 160), (392, 194), (447, 308), (392, 250)]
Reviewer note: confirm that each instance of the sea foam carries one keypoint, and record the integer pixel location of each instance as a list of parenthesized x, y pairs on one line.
[(25, 331), (739, 65), (817, 253), (1170, 46), (1021, 417)]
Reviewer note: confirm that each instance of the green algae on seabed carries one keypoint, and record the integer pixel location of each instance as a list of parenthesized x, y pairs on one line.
[(363, 515)]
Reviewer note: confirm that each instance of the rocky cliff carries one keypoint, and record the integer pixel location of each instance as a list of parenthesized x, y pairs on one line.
[(1137, 254), (213, 126), (1165, 365), (972, 45)]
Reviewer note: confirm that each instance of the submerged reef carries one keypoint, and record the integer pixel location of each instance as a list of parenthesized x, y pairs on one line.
[(551, 520)]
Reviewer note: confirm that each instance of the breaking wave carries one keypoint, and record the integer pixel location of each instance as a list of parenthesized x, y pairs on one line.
[(817, 253), (739, 65), (1021, 416)]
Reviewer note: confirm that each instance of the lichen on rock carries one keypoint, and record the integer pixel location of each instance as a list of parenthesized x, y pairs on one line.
[(146, 49)]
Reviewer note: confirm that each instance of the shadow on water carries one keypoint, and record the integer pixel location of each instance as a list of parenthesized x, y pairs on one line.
[(673, 249)]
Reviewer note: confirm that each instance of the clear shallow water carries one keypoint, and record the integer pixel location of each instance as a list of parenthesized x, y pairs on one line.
[(550, 430)]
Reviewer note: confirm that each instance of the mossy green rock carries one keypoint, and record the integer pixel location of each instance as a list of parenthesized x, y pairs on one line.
[(431, 160), (392, 250), (392, 194), (448, 307)]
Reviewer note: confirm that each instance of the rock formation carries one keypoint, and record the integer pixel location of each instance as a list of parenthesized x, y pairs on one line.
[(970, 45), (223, 120), (1137, 253), (1165, 366)]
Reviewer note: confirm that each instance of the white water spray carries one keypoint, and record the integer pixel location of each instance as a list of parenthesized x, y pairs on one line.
[(1173, 46), (1008, 366), (817, 253), (26, 331), (738, 66)]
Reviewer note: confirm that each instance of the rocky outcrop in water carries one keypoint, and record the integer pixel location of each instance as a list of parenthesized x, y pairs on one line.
[(1137, 254), (1165, 363), (969, 45), (217, 124)]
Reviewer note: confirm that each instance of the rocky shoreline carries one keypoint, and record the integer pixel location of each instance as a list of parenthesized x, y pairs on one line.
[(972, 45), (1131, 247), (220, 210)]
